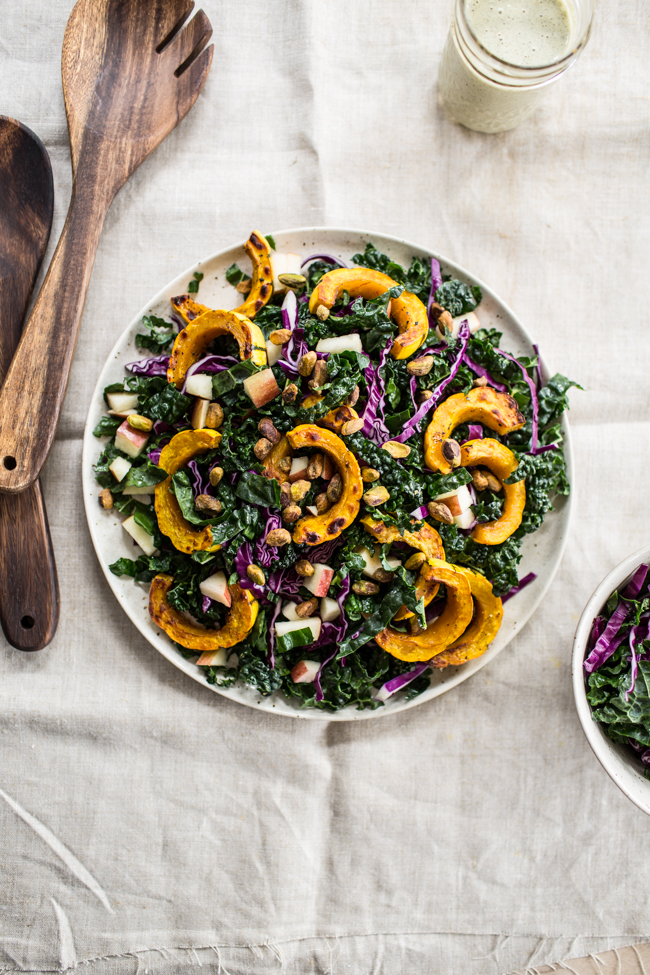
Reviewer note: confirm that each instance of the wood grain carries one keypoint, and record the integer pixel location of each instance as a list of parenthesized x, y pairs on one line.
[(130, 72), (29, 589)]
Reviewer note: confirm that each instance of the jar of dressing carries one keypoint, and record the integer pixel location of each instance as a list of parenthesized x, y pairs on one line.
[(501, 56)]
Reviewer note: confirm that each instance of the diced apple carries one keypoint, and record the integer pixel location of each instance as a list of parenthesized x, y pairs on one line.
[(199, 413), (122, 404), (139, 535), (374, 563), (466, 520), (312, 623), (213, 658), (200, 384), (284, 264), (289, 611), (329, 468), (320, 582), (120, 468), (312, 509), (140, 491), (216, 587), (261, 387), (299, 467), (457, 501), (305, 671), (329, 609), (273, 353), (341, 343), (129, 441)]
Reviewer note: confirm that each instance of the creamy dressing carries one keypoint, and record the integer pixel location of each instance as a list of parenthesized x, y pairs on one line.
[(526, 33)]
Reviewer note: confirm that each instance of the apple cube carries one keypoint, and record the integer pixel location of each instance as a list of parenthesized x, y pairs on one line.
[(261, 387), (329, 468), (140, 491), (289, 611), (341, 343), (299, 467), (139, 535), (273, 353), (457, 501), (199, 413), (131, 442), (312, 623), (284, 264), (329, 609), (305, 671), (213, 658), (200, 384), (121, 404), (373, 562), (319, 583), (466, 519), (312, 509), (120, 468), (216, 587)]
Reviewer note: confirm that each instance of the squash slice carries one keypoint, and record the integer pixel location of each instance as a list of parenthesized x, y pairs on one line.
[(261, 292), (439, 634), (191, 343), (501, 461), (407, 311), (178, 452), (488, 613), (316, 529), (428, 541), (485, 405), (187, 308), (240, 621)]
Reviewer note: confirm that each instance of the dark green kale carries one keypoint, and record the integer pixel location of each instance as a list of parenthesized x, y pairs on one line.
[(160, 337), (497, 562), (458, 298), (405, 488), (193, 286), (168, 405)]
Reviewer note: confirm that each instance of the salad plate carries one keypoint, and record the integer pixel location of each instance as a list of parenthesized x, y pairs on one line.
[(541, 551)]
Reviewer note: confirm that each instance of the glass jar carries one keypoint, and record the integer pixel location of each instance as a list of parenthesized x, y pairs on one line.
[(485, 92)]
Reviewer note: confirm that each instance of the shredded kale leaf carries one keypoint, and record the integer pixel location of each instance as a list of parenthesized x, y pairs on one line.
[(193, 286), (458, 298), (160, 337)]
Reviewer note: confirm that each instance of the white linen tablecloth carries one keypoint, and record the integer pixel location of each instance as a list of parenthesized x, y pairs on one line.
[(149, 825)]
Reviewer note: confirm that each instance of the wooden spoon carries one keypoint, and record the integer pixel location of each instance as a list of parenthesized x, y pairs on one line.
[(29, 588), (130, 73)]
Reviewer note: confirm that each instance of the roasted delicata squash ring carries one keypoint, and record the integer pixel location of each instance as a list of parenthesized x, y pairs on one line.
[(485, 405), (240, 621), (502, 462), (382, 533), (178, 452), (407, 311), (261, 292), (488, 613), (334, 420), (280, 450), (316, 529), (428, 541), (442, 632), (187, 308), (191, 343)]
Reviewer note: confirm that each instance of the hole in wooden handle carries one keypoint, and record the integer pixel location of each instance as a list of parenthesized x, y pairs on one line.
[(27, 622), (9, 463)]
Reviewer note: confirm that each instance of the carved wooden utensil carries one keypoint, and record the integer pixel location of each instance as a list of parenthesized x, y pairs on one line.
[(131, 72), (29, 588)]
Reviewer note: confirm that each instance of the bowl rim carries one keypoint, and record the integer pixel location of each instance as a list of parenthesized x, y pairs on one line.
[(610, 754)]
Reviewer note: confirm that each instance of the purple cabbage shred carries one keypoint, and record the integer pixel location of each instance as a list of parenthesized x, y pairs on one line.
[(526, 581), (155, 366)]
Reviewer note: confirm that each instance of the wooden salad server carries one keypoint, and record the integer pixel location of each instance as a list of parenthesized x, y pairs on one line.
[(130, 73), (29, 588)]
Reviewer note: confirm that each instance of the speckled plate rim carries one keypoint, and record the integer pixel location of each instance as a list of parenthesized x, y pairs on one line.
[(618, 761), (542, 552)]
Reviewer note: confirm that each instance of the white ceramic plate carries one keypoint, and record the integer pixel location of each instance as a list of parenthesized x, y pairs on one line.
[(619, 761), (542, 551)]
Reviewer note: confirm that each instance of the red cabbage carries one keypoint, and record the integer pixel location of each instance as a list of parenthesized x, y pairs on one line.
[(323, 553), (605, 645), (290, 311), (210, 363), (155, 366), (526, 581), (399, 683), (419, 513), (436, 282), (533, 397), (200, 483), (374, 427), (635, 584), (154, 455), (324, 257), (538, 377), (412, 425), (296, 347), (474, 432), (206, 603), (480, 371)]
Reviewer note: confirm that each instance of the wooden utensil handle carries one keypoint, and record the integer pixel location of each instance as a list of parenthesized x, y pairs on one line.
[(29, 588), (35, 385)]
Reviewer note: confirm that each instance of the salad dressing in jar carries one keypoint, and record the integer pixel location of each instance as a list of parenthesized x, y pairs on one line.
[(500, 57)]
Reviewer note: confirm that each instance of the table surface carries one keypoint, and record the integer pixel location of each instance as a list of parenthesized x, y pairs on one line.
[(149, 825)]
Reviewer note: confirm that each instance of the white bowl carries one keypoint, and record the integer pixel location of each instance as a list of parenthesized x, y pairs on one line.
[(619, 761)]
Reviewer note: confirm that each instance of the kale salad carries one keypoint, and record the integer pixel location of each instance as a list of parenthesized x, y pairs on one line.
[(617, 667), (328, 487)]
